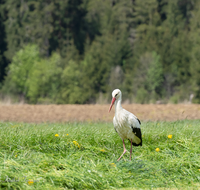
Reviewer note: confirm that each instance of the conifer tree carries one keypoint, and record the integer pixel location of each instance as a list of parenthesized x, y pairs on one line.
[(195, 53), (3, 60)]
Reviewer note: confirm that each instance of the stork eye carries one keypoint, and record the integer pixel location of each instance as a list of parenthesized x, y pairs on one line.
[(116, 95)]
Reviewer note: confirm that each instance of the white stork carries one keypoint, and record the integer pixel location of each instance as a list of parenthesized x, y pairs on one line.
[(126, 124)]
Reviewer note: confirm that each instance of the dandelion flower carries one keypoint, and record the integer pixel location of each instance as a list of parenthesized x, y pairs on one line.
[(157, 149), (76, 144), (169, 136), (67, 134), (30, 181), (15, 156), (102, 150), (56, 135), (113, 164)]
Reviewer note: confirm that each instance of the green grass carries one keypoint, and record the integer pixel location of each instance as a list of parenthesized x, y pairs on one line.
[(32, 157)]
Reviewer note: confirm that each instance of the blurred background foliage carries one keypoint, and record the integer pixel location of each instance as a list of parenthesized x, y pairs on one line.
[(75, 51)]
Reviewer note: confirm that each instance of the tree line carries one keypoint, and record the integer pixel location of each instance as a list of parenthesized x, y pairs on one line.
[(78, 51)]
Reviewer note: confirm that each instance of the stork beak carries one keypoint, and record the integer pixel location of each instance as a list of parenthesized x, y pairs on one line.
[(111, 105)]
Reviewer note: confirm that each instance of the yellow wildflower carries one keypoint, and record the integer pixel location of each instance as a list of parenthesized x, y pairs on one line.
[(113, 164), (157, 149), (67, 134), (76, 144), (15, 156), (199, 169), (169, 136), (30, 181), (102, 150), (56, 135)]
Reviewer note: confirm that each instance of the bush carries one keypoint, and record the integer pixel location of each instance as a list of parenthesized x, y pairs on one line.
[(44, 80), (19, 70)]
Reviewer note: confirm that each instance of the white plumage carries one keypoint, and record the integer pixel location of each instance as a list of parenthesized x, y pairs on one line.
[(126, 124)]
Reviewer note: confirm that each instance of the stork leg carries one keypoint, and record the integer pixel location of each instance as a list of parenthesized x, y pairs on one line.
[(124, 150), (131, 149)]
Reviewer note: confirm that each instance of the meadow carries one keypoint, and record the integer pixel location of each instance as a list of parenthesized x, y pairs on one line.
[(83, 155)]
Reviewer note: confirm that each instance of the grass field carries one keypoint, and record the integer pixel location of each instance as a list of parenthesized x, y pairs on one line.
[(84, 156)]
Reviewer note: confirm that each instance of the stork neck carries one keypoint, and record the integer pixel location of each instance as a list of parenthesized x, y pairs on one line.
[(118, 105)]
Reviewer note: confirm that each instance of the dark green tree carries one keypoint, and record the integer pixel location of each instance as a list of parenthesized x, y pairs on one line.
[(3, 45), (195, 53)]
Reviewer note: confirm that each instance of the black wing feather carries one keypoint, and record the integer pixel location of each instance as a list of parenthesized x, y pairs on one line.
[(137, 132), (139, 121)]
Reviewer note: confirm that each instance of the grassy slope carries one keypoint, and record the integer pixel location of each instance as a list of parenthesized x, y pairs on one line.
[(32, 157)]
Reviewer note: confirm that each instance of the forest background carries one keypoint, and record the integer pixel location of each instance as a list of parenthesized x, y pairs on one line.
[(78, 51)]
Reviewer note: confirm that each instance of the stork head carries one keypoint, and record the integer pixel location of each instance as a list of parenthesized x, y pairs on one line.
[(116, 94)]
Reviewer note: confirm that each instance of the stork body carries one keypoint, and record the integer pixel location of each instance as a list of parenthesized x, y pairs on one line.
[(126, 124)]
